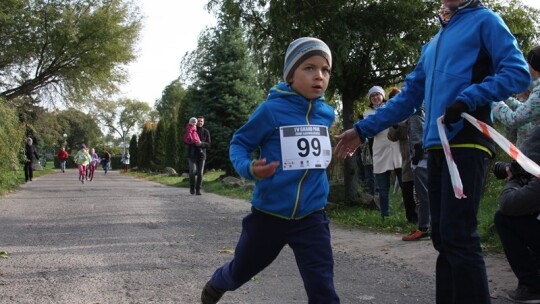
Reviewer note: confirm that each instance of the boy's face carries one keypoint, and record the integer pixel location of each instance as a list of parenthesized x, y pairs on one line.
[(310, 79)]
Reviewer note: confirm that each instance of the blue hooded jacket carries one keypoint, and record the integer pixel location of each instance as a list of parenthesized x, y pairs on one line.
[(474, 59), (290, 194)]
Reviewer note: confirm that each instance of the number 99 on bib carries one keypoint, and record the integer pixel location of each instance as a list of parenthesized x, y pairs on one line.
[(305, 147)]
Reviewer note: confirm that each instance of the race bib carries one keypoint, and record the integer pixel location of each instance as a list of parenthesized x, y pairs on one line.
[(305, 147)]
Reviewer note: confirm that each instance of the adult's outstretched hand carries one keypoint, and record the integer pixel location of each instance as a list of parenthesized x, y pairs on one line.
[(349, 141)]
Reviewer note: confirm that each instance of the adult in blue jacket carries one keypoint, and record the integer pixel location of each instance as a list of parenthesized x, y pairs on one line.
[(472, 61)]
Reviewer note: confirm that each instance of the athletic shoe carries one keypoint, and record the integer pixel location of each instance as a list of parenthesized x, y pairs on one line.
[(210, 295), (523, 295), (415, 235)]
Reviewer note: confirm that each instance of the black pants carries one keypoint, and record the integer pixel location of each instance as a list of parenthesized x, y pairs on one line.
[(407, 192), (196, 171), (520, 238), (28, 171)]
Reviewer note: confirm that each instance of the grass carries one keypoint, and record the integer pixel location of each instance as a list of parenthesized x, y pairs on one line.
[(361, 217), (10, 181), (211, 183), (357, 216)]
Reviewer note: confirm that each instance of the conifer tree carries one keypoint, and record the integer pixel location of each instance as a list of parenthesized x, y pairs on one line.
[(134, 151), (171, 147), (160, 139), (146, 147), (225, 91)]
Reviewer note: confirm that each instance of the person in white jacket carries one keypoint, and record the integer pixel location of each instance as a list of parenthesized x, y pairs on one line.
[(386, 153)]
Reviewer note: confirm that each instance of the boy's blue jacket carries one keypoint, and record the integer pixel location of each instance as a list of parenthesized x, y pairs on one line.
[(473, 59), (289, 194)]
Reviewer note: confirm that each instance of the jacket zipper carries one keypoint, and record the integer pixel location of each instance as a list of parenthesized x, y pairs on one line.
[(301, 183)]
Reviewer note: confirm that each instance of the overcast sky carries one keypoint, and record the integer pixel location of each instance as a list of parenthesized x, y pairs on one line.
[(170, 29)]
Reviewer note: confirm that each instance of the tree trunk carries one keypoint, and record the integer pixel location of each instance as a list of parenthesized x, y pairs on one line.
[(349, 165)]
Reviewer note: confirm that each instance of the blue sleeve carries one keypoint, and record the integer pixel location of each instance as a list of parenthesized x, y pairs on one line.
[(510, 71), (250, 137), (398, 108)]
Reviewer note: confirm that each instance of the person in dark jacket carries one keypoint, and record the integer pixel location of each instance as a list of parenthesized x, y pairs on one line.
[(518, 224), (197, 157), (105, 160), (489, 66), (30, 152)]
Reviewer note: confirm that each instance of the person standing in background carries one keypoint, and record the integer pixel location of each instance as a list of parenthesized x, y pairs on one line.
[(62, 158), (30, 152), (418, 160), (105, 160), (400, 133), (125, 161), (523, 115), (386, 154), (197, 157)]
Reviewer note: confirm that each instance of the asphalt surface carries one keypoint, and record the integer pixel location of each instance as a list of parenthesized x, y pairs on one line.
[(119, 239)]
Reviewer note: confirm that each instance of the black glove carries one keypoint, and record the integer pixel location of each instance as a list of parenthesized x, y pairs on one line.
[(418, 154), (452, 114)]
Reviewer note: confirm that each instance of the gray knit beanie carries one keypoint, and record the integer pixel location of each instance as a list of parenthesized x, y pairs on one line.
[(193, 121), (300, 50)]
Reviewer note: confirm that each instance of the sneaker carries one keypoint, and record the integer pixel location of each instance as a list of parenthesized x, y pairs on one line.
[(210, 295), (415, 235), (523, 295)]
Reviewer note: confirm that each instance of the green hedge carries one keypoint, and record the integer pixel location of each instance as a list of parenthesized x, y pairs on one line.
[(11, 143)]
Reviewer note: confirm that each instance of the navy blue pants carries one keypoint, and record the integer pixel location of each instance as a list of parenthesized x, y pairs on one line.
[(460, 270), (262, 239), (520, 237)]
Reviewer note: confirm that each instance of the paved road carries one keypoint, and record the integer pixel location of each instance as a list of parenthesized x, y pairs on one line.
[(124, 240)]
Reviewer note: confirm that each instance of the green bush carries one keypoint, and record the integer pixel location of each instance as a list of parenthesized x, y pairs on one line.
[(11, 143)]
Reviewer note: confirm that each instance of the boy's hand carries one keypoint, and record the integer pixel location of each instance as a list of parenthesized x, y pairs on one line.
[(261, 169), (349, 141)]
